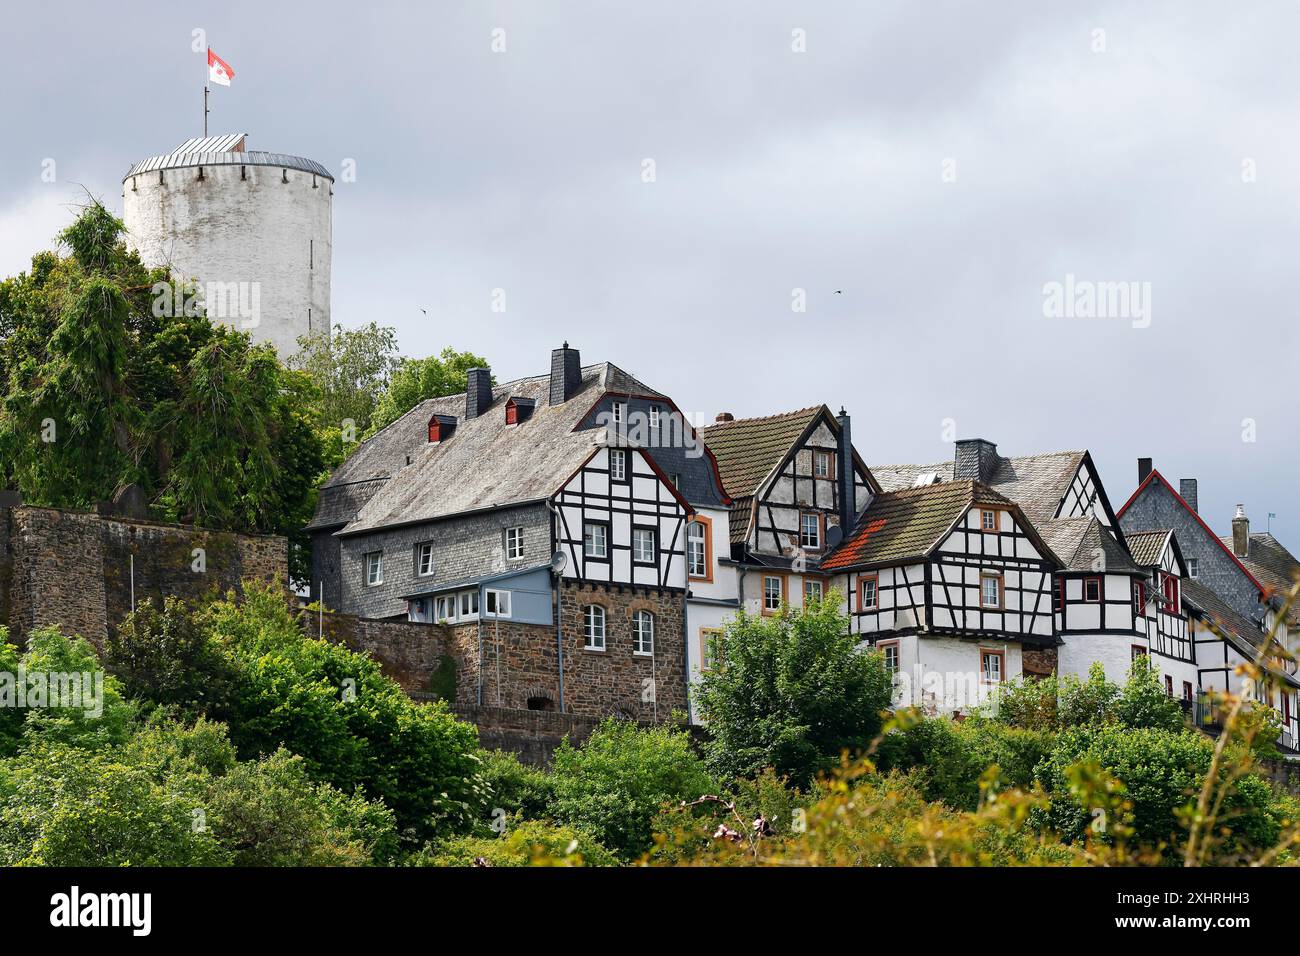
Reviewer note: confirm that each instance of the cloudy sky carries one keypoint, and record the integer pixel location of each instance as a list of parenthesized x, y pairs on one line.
[(939, 163)]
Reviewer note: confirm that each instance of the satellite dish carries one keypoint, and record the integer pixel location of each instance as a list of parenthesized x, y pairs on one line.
[(559, 561), (834, 535)]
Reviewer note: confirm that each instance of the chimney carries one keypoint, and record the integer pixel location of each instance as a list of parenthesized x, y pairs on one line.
[(976, 460), (1144, 469), (1187, 489), (478, 392), (566, 373), (1240, 533), (724, 417), (844, 475)]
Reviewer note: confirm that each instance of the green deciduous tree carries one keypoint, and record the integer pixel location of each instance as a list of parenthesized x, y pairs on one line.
[(792, 691), (351, 368), (418, 379), (105, 379)]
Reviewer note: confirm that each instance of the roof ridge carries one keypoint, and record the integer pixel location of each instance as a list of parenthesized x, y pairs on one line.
[(766, 418)]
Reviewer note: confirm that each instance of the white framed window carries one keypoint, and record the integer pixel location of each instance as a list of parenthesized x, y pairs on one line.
[(1193, 567), (593, 627), (812, 591), (468, 604), (654, 416), (514, 543), (595, 540), (643, 545), (496, 603), (988, 519), (1092, 590), (697, 560), (643, 633), (445, 608), (617, 465), (890, 650), (374, 568), (620, 413), (773, 592), (992, 666), (868, 592), (823, 465), (424, 559), (810, 531), (990, 590)]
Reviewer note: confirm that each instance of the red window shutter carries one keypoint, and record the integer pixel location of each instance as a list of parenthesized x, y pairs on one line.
[(433, 429), (512, 414)]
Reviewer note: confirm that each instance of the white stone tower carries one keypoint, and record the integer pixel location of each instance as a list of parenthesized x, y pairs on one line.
[(253, 228)]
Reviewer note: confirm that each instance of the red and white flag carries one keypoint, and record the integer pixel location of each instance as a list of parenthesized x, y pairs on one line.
[(219, 70)]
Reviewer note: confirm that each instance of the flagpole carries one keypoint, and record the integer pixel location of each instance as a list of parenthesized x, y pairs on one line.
[(205, 111)]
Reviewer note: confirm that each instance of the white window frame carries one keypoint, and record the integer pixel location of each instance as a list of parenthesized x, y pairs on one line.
[(617, 464), (692, 527), (515, 543), (1193, 567), (814, 541), (467, 605), (998, 584), (421, 551), (639, 620), (780, 592), (620, 413), (374, 568), (589, 541), (638, 540), (990, 654), (813, 583), (820, 459), (593, 627), (885, 648), (501, 598), (874, 581), (448, 603), (654, 416)]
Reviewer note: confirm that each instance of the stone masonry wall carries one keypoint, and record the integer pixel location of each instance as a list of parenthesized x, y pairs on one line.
[(520, 663), (1038, 661), (79, 571)]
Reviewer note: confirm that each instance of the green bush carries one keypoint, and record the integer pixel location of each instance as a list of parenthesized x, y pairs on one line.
[(1161, 772), (1144, 703), (66, 806), (613, 786), (516, 788), (524, 843), (950, 758), (354, 728), (164, 656)]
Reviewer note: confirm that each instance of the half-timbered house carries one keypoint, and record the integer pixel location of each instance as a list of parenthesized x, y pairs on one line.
[(1062, 495), (548, 522), (1231, 612), (952, 582), (798, 485)]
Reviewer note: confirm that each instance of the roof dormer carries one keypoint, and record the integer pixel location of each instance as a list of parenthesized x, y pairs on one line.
[(519, 409), (441, 427)]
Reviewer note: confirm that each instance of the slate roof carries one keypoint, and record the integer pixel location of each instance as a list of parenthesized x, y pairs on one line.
[(484, 463), (1035, 482), (1148, 546), (1272, 564), (1085, 544), (1241, 632), (749, 448), (911, 523)]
